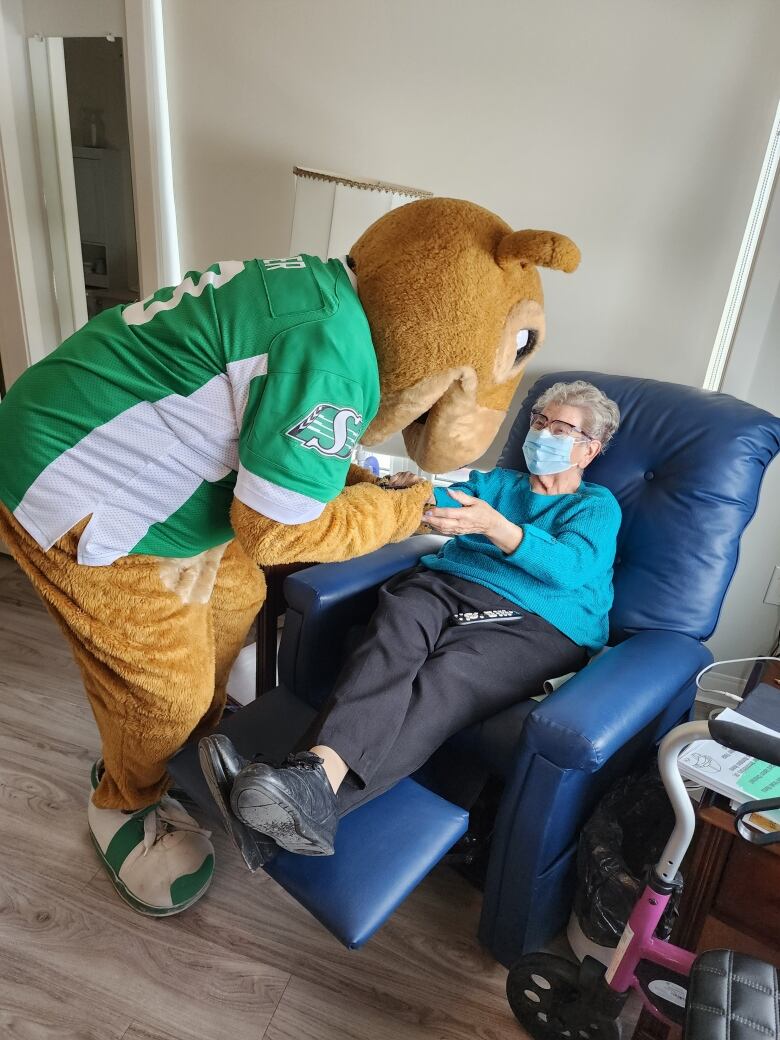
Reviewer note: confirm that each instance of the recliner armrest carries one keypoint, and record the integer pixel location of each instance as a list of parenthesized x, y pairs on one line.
[(328, 583), (600, 709)]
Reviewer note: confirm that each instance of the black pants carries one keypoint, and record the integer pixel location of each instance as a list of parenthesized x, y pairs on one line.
[(414, 680)]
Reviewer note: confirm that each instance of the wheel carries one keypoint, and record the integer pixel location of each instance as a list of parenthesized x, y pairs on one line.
[(544, 994)]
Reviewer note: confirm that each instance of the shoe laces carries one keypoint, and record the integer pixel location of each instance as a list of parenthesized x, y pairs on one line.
[(167, 816), (303, 760)]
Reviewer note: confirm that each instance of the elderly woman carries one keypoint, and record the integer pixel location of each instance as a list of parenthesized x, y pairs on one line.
[(520, 593)]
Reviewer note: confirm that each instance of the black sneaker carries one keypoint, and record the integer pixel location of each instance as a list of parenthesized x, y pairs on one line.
[(221, 764), (293, 803)]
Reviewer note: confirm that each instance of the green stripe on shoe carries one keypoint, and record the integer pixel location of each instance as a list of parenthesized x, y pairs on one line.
[(129, 836), (146, 908), (186, 888)]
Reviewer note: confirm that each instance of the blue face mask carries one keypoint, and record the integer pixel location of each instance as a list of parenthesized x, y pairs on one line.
[(545, 454)]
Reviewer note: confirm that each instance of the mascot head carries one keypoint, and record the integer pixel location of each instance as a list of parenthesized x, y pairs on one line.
[(454, 301)]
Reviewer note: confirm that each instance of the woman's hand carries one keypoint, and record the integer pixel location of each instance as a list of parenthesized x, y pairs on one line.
[(475, 517)]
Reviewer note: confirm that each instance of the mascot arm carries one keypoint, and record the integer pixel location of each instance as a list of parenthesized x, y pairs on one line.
[(360, 475), (360, 519)]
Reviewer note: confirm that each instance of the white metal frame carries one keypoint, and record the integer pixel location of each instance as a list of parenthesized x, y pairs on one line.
[(745, 258), (684, 815)]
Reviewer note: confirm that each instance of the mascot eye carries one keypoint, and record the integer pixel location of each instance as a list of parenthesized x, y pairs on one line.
[(526, 341)]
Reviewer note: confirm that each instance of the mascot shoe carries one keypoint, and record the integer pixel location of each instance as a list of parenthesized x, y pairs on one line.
[(158, 858)]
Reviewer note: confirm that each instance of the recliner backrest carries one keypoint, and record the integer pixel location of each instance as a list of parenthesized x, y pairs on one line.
[(686, 466)]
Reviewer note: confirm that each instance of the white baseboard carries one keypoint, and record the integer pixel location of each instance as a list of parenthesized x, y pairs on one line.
[(719, 684)]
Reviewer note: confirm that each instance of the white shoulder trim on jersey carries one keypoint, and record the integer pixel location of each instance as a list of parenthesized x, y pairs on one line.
[(139, 313), (275, 502)]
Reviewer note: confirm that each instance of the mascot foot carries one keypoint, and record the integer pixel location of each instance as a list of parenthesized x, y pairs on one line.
[(158, 858), (221, 763), (294, 803)]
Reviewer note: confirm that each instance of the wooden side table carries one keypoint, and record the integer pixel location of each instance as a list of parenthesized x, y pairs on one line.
[(731, 898)]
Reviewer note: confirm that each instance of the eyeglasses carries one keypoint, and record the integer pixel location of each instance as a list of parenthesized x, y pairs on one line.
[(557, 427)]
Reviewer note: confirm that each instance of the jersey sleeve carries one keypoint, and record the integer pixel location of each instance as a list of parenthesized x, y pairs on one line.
[(296, 443), (475, 486)]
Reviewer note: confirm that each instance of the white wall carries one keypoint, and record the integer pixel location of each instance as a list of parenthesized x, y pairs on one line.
[(748, 625), (638, 129)]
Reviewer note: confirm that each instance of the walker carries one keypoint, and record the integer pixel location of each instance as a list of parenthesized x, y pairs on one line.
[(718, 994)]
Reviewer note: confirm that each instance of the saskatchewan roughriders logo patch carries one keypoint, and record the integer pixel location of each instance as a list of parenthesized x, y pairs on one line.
[(328, 429)]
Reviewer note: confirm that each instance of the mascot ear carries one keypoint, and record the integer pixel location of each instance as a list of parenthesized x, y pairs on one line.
[(542, 248)]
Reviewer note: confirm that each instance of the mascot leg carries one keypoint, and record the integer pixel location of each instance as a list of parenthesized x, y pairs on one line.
[(239, 593), (141, 634)]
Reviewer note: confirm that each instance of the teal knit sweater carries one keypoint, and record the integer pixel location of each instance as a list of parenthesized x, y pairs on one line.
[(562, 569)]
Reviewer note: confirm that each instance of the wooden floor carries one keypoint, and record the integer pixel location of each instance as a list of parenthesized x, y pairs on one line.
[(245, 963)]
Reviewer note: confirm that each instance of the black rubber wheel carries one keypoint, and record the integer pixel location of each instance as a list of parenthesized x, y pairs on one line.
[(543, 992)]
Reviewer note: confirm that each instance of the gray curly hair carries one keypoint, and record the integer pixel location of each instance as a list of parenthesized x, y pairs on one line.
[(603, 415)]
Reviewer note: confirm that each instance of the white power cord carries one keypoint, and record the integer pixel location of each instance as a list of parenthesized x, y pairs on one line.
[(733, 660)]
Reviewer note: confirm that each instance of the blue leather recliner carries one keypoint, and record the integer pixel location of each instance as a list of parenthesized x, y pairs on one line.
[(686, 467)]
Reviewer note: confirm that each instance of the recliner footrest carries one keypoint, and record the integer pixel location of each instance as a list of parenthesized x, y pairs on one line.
[(732, 997), (383, 850)]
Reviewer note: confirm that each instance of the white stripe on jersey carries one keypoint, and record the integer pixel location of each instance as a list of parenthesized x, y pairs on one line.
[(108, 457), (162, 487), (141, 466)]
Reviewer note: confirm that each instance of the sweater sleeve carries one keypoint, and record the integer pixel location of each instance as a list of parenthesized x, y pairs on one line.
[(581, 548), (475, 486)]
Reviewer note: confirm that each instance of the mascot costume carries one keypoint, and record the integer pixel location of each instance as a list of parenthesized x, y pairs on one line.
[(171, 448)]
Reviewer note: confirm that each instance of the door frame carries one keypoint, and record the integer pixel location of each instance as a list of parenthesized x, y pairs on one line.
[(55, 153), (745, 262), (27, 300)]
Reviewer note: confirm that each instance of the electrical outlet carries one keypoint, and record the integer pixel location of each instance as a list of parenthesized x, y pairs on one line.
[(772, 595)]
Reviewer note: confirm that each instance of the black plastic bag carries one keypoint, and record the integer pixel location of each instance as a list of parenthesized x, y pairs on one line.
[(622, 839)]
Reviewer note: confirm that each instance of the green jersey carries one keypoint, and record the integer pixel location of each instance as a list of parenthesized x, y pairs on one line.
[(254, 379)]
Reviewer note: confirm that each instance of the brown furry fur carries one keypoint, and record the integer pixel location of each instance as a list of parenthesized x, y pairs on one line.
[(361, 519), (439, 280), (154, 663)]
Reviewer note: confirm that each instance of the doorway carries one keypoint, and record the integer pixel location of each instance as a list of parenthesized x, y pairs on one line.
[(84, 145)]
